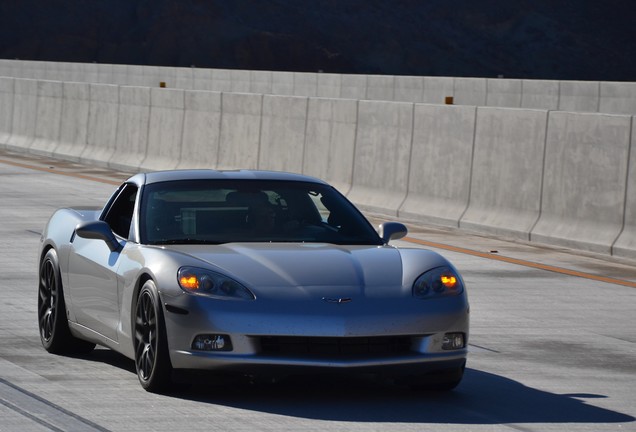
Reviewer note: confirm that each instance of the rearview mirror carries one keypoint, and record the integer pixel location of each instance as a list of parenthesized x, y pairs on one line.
[(392, 231), (98, 230)]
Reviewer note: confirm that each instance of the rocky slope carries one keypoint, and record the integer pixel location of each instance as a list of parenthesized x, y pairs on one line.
[(541, 39)]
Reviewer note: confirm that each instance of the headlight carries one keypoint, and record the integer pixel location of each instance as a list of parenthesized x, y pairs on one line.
[(439, 282), (205, 282)]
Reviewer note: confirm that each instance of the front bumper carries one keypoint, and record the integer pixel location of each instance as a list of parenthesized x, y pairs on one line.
[(415, 331), (415, 363)]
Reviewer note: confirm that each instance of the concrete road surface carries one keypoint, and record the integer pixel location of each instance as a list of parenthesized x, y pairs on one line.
[(553, 343)]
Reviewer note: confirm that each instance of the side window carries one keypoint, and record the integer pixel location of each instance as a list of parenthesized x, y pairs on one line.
[(120, 213)]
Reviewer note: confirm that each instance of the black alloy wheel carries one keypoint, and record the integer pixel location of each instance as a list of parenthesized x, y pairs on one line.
[(151, 352), (54, 332), (48, 301)]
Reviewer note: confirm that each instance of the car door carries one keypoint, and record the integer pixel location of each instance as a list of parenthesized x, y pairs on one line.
[(92, 276)]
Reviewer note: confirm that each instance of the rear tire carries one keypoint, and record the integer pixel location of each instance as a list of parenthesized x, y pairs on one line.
[(54, 332), (152, 360)]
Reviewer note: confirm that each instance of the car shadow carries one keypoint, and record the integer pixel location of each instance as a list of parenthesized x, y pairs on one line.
[(481, 398), (107, 356)]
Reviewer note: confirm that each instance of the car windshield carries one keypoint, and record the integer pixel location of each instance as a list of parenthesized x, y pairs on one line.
[(224, 211)]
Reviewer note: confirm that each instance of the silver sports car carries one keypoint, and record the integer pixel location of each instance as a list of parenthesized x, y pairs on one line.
[(248, 271)]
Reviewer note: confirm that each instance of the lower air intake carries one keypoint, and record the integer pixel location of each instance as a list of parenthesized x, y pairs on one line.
[(335, 346)]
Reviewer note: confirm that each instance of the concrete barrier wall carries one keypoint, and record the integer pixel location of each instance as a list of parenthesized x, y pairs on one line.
[(222, 80), (381, 158), (436, 89), (470, 91), (84, 72), (440, 164), (74, 121), (159, 74), (240, 81), (586, 165), (284, 121), (167, 109), (25, 105), (380, 87), (330, 140), (305, 84), (329, 85), (6, 109), (133, 119), (30, 69), (409, 89), (47, 118), (184, 78), (576, 96), (579, 96), (124, 75), (201, 130), (353, 87), (504, 93), (540, 94), (261, 82), (240, 130), (625, 246), (102, 124), (7, 68), (282, 83), (202, 79), (505, 196), (555, 177), (57, 71), (105, 75), (618, 97)]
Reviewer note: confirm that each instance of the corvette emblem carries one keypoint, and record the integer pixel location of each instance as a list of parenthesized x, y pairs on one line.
[(337, 300)]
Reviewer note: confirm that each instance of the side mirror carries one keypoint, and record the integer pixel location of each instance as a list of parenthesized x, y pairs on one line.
[(392, 231), (98, 230)]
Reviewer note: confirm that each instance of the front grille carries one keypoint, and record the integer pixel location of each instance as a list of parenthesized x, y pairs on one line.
[(345, 347)]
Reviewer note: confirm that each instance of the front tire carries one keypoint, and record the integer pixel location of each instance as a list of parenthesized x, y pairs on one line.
[(152, 360), (54, 332)]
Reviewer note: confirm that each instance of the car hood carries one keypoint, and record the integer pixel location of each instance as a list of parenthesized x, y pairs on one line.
[(326, 269)]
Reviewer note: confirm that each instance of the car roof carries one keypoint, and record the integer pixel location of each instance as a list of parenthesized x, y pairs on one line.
[(208, 174)]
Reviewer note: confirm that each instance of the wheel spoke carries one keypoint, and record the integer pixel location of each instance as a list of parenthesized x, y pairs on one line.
[(49, 324), (150, 353), (147, 308), (140, 364), (49, 274), (43, 323), (139, 351), (42, 307), (46, 324), (43, 293), (145, 336), (144, 365), (147, 363), (45, 284), (141, 361)]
